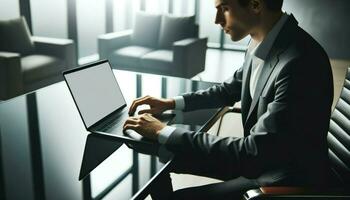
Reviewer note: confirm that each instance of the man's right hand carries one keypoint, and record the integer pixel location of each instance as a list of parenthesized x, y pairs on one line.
[(157, 106)]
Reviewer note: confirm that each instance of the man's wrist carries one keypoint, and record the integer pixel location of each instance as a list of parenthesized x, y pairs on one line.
[(179, 102), (164, 134), (171, 104), (159, 130)]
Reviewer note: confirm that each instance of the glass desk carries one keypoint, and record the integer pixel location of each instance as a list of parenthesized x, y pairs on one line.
[(45, 147)]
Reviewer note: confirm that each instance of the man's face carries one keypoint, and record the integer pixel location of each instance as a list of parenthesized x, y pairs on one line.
[(233, 18)]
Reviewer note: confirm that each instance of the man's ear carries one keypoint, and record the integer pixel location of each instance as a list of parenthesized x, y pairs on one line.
[(256, 6)]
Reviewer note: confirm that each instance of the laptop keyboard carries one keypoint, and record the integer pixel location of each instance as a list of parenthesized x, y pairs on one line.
[(117, 122), (112, 125)]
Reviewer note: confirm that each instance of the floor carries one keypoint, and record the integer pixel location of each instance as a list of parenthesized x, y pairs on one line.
[(220, 65)]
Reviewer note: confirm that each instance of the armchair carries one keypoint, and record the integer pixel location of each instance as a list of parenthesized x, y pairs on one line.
[(28, 63), (164, 45)]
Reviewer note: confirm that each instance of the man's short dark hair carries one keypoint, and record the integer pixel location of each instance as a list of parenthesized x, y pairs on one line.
[(273, 5)]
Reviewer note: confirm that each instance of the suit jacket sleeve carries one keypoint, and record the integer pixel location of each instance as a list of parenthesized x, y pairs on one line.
[(225, 94), (270, 143)]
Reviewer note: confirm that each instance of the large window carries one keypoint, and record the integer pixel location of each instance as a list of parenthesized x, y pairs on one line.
[(124, 12), (183, 7), (49, 18), (9, 9), (121, 15), (91, 22), (157, 6), (207, 27)]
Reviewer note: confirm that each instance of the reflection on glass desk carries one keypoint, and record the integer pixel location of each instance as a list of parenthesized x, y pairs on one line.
[(45, 147)]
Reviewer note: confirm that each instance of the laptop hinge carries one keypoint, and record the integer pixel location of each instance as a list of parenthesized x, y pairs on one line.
[(104, 121)]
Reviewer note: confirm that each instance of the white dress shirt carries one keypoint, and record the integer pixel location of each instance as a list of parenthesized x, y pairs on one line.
[(259, 53), (165, 133)]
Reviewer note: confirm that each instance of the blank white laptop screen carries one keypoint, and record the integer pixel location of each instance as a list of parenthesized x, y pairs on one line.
[(95, 91)]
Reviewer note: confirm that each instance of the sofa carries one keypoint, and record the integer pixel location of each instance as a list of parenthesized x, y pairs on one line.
[(158, 44), (28, 63)]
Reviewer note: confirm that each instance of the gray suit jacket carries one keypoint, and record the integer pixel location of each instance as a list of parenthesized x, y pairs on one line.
[(286, 122)]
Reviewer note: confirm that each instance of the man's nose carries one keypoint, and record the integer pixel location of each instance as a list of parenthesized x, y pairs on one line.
[(219, 19)]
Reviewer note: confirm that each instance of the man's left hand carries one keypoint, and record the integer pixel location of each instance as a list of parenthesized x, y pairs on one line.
[(145, 124)]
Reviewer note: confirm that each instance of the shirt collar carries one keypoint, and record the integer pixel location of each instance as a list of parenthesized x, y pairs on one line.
[(262, 50)]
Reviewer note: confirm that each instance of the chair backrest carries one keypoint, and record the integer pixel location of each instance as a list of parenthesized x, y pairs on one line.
[(175, 28), (339, 134), (16, 37), (161, 31), (146, 29)]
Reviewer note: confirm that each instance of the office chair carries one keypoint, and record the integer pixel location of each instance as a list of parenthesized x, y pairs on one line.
[(339, 154)]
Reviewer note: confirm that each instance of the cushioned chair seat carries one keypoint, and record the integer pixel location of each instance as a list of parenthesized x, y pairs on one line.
[(129, 55), (36, 67), (160, 60)]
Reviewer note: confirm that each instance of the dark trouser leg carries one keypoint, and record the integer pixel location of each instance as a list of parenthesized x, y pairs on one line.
[(232, 188), (202, 166), (162, 188), (189, 164)]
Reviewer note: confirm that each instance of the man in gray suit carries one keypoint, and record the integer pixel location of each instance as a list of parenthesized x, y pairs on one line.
[(286, 90)]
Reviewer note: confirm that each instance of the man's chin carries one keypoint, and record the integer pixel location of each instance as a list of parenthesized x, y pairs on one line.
[(235, 37)]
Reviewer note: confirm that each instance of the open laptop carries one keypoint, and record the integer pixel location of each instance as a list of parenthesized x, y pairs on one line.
[(100, 102)]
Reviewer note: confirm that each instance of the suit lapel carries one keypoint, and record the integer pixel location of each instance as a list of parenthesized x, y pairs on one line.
[(245, 98), (246, 74), (285, 36), (263, 78)]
